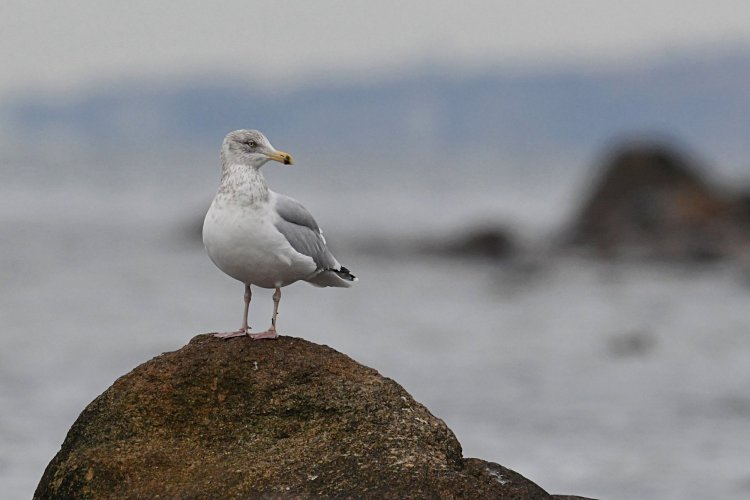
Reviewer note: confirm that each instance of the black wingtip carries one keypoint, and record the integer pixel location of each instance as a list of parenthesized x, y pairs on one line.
[(345, 274)]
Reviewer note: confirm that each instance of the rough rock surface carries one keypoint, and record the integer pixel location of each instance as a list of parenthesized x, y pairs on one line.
[(270, 419)]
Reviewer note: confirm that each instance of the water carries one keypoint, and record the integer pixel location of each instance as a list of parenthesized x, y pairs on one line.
[(614, 381)]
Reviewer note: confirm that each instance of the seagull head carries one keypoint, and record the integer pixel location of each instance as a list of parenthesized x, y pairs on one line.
[(251, 148)]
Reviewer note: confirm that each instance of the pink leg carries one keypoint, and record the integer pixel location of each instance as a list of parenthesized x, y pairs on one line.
[(271, 332), (244, 328)]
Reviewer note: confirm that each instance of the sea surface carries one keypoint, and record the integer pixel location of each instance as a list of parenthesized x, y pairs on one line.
[(607, 380)]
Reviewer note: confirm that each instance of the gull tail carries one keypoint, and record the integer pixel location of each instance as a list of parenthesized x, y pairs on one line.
[(340, 277)]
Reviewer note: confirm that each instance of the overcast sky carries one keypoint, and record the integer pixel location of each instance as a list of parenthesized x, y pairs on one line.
[(58, 46)]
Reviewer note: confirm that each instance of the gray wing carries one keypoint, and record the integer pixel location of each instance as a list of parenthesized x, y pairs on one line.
[(299, 228)]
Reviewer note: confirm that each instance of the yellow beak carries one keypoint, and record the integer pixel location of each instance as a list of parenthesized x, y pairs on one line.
[(281, 157)]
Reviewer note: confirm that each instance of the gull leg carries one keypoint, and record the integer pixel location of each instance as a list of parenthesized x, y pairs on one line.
[(271, 332), (248, 296), (244, 328)]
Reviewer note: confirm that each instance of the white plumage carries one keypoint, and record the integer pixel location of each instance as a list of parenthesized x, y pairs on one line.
[(261, 237)]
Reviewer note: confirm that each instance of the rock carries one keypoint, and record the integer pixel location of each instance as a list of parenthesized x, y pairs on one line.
[(482, 241), (651, 202), (631, 344), (271, 419), (487, 242)]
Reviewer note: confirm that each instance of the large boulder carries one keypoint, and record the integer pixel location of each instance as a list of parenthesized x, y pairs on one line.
[(653, 201), (272, 419)]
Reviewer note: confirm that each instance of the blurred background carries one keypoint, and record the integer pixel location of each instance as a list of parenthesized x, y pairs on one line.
[(544, 201)]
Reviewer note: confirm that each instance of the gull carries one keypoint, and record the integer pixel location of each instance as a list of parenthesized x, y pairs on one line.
[(261, 237)]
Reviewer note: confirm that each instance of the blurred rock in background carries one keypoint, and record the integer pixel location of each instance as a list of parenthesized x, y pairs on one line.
[(653, 201)]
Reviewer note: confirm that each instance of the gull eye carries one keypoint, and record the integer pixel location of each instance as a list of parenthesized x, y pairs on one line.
[(252, 144)]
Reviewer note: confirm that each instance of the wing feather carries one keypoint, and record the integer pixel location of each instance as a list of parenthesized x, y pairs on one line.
[(301, 230)]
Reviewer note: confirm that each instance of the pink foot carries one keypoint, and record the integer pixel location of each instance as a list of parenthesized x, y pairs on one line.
[(268, 334), (228, 335)]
